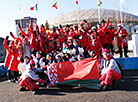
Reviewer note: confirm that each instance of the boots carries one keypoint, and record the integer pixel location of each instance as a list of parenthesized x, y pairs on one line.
[(125, 51), (120, 51)]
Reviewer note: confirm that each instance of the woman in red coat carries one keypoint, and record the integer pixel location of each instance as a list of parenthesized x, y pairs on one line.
[(121, 34), (8, 55), (13, 66)]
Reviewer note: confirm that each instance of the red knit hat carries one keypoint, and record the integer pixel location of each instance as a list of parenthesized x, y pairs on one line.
[(105, 50)]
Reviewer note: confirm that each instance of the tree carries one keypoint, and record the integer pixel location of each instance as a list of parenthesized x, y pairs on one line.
[(46, 25)]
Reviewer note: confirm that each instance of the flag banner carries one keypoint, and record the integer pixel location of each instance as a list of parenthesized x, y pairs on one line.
[(99, 2), (34, 7), (55, 5), (77, 2), (75, 73)]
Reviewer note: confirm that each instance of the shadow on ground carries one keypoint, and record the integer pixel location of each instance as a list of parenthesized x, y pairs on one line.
[(129, 82)]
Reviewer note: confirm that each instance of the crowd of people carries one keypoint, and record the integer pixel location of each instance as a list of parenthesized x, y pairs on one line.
[(29, 55)]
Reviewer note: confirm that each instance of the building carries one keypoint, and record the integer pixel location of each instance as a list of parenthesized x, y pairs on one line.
[(24, 23), (91, 15)]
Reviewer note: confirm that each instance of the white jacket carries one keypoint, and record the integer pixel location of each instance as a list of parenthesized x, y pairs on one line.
[(109, 64)]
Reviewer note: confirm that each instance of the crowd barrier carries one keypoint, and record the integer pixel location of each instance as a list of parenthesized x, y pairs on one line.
[(128, 63)]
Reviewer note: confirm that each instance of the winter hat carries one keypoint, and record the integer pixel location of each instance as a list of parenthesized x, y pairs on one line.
[(105, 50)]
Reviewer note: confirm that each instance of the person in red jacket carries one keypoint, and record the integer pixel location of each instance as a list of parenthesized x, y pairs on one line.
[(13, 66), (103, 33), (95, 44), (111, 38), (121, 34), (27, 76), (83, 38), (8, 56)]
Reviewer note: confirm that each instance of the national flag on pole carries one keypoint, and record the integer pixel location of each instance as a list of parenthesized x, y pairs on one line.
[(77, 2), (122, 1), (99, 2), (84, 73), (34, 7), (55, 5)]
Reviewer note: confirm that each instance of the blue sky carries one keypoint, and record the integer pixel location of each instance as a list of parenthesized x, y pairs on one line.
[(9, 10)]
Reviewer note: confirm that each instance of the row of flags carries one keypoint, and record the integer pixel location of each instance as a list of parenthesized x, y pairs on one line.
[(55, 5)]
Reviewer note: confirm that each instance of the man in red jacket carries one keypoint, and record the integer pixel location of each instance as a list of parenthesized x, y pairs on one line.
[(103, 33), (121, 34)]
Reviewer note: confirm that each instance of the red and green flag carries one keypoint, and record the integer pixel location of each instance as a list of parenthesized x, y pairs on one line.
[(99, 2), (55, 5), (84, 73), (34, 7)]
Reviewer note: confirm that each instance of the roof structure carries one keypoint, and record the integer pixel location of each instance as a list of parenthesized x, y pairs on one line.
[(91, 15)]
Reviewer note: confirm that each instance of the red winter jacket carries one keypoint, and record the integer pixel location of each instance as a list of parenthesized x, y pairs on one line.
[(14, 62), (121, 37), (83, 40), (111, 35), (8, 54), (96, 47), (102, 33), (19, 39)]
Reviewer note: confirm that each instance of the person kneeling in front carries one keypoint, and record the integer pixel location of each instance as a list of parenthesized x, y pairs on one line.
[(109, 70)]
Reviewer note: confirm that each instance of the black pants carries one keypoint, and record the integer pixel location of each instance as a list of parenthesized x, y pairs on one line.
[(125, 51), (10, 75)]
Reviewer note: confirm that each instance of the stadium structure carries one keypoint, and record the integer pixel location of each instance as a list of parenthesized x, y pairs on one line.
[(91, 15)]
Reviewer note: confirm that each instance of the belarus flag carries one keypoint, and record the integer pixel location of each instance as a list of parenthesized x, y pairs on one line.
[(84, 73)]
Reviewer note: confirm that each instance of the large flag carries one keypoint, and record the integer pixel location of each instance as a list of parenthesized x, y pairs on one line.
[(99, 2), (84, 73), (34, 7), (55, 5)]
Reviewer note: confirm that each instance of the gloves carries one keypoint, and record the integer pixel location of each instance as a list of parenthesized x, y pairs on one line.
[(11, 33), (103, 21), (7, 37), (19, 25), (31, 19), (60, 26), (23, 36)]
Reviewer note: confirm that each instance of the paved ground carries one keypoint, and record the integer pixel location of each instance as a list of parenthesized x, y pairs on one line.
[(125, 90)]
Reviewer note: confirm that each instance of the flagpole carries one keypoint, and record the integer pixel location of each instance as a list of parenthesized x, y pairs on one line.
[(121, 13), (37, 14), (98, 12), (58, 12), (78, 18), (20, 14)]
